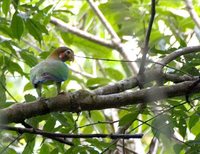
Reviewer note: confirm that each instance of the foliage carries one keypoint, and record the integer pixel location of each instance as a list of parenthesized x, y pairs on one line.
[(27, 36)]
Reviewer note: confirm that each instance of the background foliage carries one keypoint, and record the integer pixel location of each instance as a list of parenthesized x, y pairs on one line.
[(27, 35)]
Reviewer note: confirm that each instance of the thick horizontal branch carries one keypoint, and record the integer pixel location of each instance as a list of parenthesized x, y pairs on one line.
[(129, 83), (61, 135), (85, 101)]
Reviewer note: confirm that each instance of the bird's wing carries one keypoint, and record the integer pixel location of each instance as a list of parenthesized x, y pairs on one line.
[(45, 71)]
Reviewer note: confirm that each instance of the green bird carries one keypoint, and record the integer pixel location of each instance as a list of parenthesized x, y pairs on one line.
[(52, 70)]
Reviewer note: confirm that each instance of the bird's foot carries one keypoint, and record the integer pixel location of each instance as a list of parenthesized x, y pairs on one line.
[(62, 93), (41, 99)]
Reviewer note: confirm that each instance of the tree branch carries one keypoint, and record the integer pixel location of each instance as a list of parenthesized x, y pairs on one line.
[(172, 56), (104, 22), (110, 96), (193, 14), (85, 101), (21, 131), (87, 75), (147, 37), (49, 134), (67, 28), (128, 83)]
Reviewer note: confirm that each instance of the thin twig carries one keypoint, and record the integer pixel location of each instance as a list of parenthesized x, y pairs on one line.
[(153, 146), (104, 21), (127, 150), (59, 139), (67, 28), (106, 43), (193, 14), (147, 37), (4, 149), (8, 92), (123, 129), (96, 123), (32, 45), (161, 113), (87, 75), (129, 61), (44, 133)]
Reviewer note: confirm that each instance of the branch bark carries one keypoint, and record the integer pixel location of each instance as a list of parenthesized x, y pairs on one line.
[(193, 14), (61, 135), (147, 37), (104, 22), (110, 96), (85, 101), (68, 28), (172, 56)]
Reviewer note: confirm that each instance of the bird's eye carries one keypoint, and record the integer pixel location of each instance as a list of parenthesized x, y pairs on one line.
[(68, 51)]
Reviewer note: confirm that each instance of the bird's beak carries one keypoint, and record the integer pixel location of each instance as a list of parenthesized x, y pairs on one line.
[(72, 58)]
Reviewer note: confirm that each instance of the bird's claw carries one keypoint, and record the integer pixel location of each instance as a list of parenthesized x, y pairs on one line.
[(61, 93), (41, 99)]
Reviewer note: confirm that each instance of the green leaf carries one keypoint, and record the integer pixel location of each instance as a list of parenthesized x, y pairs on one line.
[(10, 151), (182, 127), (97, 116), (28, 86), (195, 128), (89, 47), (29, 98), (7, 104), (33, 30), (93, 83), (70, 119), (114, 74), (29, 58), (44, 149), (61, 118), (162, 125), (98, 144), (17, 26), (44, 54), (54, 151), (81, 149), (16, 3), (177, 148), (36, 29), (50, 123), (29, 147), (47, 9), (194, 146), (128, 118), (7, 47), (5, 29), (14, 67), (39, 3), (193, 120), (126, 69), (11, 66), (2, 88), (6, 6)]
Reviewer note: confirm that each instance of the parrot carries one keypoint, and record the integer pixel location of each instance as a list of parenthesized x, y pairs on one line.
[(52, 70)]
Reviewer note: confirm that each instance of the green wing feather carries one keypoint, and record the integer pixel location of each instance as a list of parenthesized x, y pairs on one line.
[(49, 70)]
